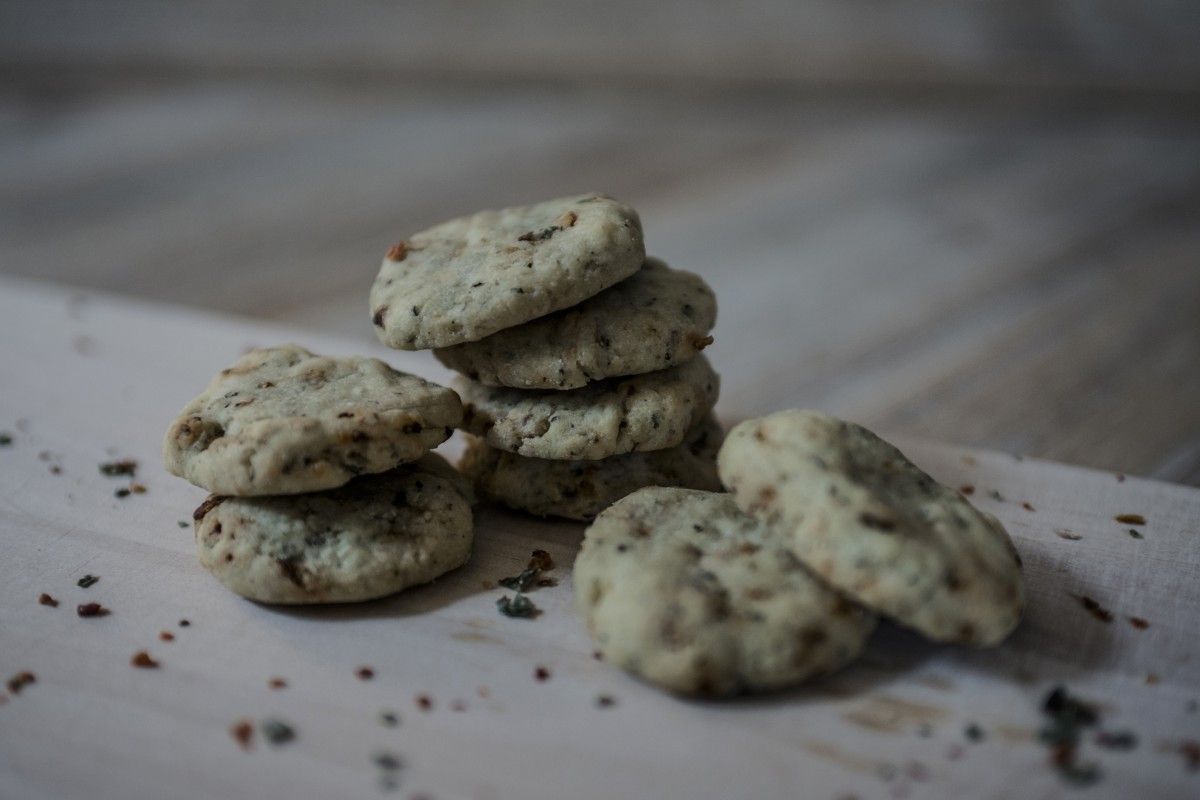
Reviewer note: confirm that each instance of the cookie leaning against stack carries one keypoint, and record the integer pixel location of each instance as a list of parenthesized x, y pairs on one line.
[(825, 525), (582, 377), (323, 486)]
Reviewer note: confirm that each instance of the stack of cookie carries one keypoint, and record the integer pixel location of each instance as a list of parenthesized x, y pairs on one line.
[(825, 526), (582, 376), (324, 489)]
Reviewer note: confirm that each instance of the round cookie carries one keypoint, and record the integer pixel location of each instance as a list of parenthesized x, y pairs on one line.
[(620, 415), (582, 489), (283, 421), (467, 278), (374, 536), (682, 589), (655, 319), (874, 526)]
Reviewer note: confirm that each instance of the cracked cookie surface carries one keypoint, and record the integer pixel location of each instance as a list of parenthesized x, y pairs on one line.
[(682, 589), (374, 536), (655, 319), (582, 489), (873, 525), (469, 277), (620, 415), (282, 420)]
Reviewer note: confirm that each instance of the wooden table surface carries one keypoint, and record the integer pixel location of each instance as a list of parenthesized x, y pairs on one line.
[(978, 226)]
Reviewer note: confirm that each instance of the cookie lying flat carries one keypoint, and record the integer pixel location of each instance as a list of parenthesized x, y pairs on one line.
[(682, 589), (582, 489), (282, 421), (374, 536), (655, 319), (876, 527), (620, 415), (472, 276)]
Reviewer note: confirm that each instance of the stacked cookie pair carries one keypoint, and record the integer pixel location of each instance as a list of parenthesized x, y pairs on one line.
[(825, 527), (323, 486), (580, 358)]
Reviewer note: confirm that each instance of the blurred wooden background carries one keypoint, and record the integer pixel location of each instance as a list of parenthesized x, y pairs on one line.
[(978, 222)]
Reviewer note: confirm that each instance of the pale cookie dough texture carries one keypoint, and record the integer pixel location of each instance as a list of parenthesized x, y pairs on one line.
[(682, 589), (875, 527), (655, 319), (284, 421), (641, 412), (580, 490), (374, 536), (472, 276)]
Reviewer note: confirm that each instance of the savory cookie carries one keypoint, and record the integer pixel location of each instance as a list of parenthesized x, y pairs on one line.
[(655, 319), (376, 535), (876, 527), (472, 276), (682, 589), (282, 421), (607, 418), (582, 489)]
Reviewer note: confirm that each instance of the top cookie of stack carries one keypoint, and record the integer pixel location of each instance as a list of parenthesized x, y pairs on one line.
[(582, 373)]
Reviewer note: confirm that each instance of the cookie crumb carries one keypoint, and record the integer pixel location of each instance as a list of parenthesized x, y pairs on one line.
[(142, 660), (605, 701), (166, 636), (364, 673), (1095, 609), (91, 610), (966, 489), (19, 681), (1139, 623), (243, 733), (126, 467), (424, 702), (1130, 519), (47, 600), (541, 674), (277, 683)]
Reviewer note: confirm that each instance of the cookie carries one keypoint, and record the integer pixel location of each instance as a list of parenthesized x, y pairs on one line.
[(655, 319), (472, 276), (620, 415), (582, 489), (374, 536), (282, 421), (682, 589), (869, 522)]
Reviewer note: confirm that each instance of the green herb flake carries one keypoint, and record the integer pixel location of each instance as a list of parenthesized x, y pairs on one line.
[(974, 733), (518, 606), (277, 732), (5, 439), (182, 523), (87, 580), (522, 582), (117, 469)]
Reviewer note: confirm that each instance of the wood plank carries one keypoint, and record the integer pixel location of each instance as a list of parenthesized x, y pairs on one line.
[(1111, 44)]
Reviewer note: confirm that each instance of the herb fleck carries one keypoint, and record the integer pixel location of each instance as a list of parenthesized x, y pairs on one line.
[(389, 762), (116, 469), (142, 660), (183, 623), (518, 606), (19, 681), (87, 580), (389, 719), (974, 733), (91, 610), (1095, 609), (1068, 717), (5, 439), (242, 733), (1117, 740), (122, 493), (995, 495), (277, 732), (1135, 533), (182, 523), (47, 600), (1130, 519), (605, 701), (1027, 506)]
